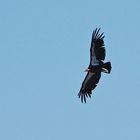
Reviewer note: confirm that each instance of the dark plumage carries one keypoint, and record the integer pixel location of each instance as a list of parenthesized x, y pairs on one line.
[(96, 66)]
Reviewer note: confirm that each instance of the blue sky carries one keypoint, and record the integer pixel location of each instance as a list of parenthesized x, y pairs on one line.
[(44, 49)]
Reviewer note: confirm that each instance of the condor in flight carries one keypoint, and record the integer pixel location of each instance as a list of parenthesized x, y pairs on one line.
[(96, 66)]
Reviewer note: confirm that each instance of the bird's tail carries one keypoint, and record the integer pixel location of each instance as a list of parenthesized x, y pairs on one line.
[(106, 67)]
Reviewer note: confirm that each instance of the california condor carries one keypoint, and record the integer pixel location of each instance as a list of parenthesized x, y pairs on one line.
[(96, 66)]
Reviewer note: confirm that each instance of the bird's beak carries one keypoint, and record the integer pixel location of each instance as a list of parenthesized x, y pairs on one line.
[(87, 70)]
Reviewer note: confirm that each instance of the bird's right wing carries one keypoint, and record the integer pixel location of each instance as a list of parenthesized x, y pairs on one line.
[(89, 83)]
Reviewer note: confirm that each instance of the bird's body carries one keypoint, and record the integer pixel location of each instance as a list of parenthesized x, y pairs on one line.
[(96, 66)]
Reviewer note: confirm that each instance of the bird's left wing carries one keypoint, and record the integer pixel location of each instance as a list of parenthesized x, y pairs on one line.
[(97, 51)]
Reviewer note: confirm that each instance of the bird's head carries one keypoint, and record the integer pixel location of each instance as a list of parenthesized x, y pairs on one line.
[(88, 70)]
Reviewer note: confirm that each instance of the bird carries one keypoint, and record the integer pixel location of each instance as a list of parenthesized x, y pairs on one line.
[(96, 65)]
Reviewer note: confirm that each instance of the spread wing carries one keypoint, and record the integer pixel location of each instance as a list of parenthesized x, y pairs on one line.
[(89, 83), (97, 51)]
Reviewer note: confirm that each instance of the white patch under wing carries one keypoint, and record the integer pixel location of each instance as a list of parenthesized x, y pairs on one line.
[(90, 74), (94, 60)]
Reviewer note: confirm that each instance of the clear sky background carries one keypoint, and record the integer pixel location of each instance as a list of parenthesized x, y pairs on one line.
[(44, 49)]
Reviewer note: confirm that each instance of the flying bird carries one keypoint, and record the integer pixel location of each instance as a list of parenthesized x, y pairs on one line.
[(96, 66)]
